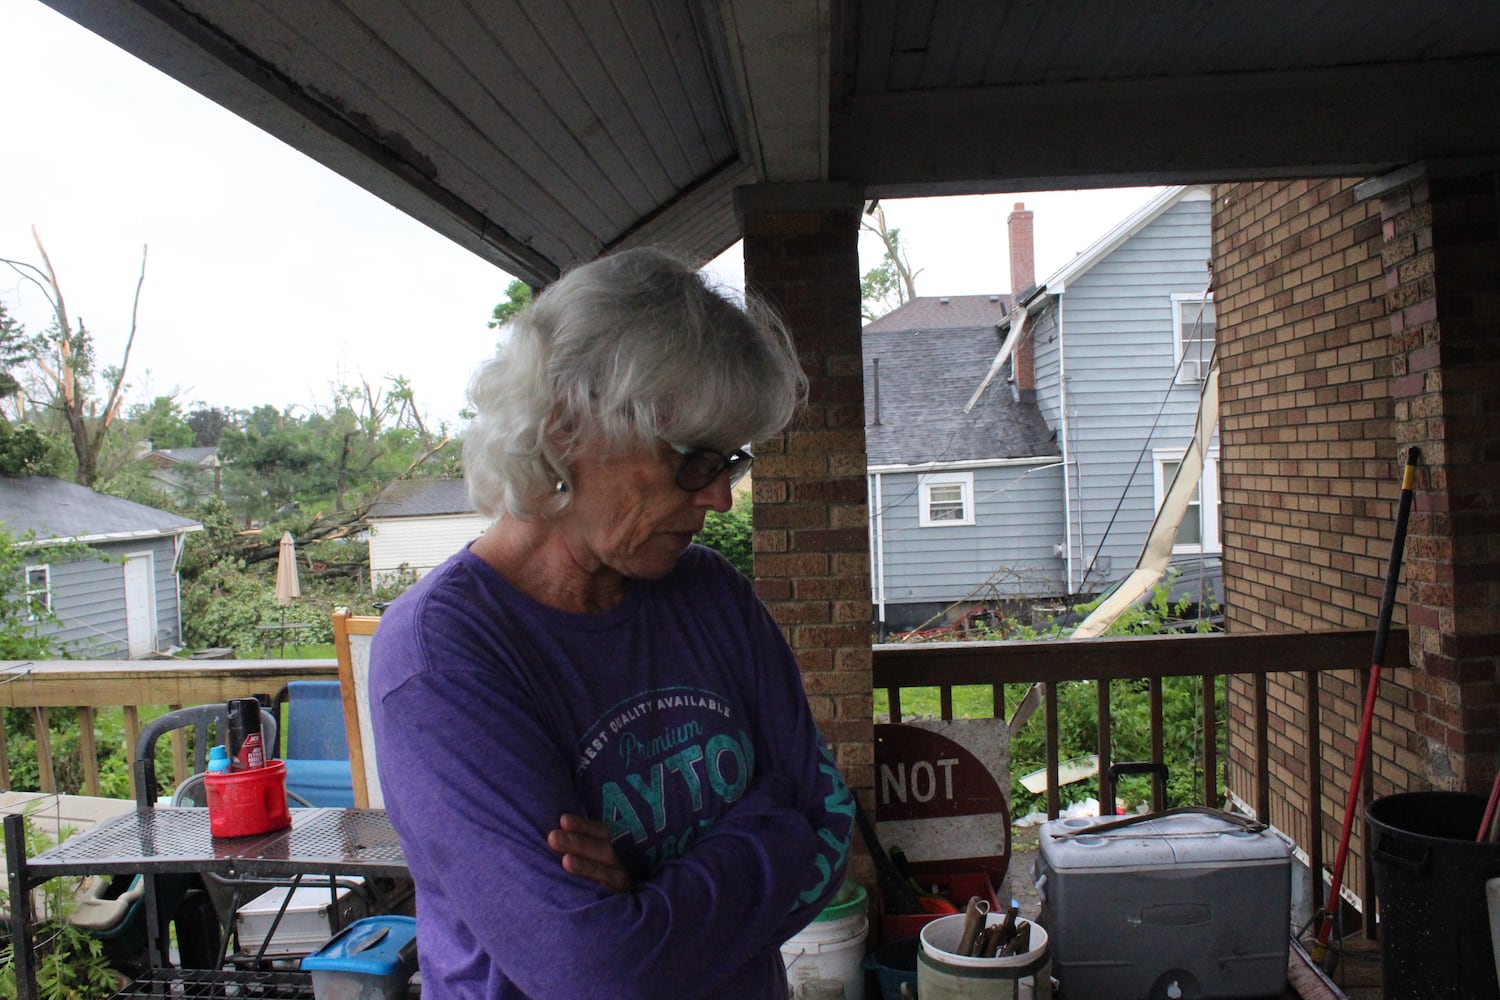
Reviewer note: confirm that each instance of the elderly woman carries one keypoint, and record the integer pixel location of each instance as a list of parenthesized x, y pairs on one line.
[(593, 740)]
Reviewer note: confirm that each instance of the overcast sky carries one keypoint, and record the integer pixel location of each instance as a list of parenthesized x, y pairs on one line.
[(269, 277)]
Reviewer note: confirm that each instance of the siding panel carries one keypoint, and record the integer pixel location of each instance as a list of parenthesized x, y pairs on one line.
[(1006, 553), (421, 543), (88, 597), (1118, 413)]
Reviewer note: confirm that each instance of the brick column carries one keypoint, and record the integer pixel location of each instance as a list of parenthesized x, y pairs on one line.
[(1442, 260), (811, 528)]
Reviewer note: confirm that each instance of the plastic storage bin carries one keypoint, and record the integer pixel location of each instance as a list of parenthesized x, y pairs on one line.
[(1189, 905), (307, 924), (371, 959), (955, 886)]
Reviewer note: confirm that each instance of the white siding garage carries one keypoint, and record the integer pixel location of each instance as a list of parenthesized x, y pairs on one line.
[(417, 524)]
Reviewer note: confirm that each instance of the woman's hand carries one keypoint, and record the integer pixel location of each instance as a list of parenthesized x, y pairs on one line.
[(587, 850)]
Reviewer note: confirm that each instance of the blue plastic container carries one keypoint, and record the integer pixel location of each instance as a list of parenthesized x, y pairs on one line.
[(371, 959), (894, 963)]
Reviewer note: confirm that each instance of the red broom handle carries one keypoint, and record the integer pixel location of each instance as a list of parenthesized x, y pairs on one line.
[(1362, 750)]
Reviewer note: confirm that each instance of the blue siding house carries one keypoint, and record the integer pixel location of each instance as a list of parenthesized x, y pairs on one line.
[(964, 506), (124, 605), (1019, 446), (1119, 340)]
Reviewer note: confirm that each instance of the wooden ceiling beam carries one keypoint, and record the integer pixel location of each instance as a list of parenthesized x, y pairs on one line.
[(1344, 121)]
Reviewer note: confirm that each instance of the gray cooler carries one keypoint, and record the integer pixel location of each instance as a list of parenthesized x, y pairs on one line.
[(1187, 905)]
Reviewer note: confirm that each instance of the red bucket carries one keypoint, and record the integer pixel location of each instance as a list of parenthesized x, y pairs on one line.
[(244, 802)]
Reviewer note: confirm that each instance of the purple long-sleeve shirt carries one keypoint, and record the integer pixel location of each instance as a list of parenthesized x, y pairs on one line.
[(677, 717)]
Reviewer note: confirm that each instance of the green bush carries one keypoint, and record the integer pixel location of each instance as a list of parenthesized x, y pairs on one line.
[(1077, 711), (729, 534)]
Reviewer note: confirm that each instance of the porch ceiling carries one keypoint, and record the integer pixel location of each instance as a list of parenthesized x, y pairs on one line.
[(543, 132)]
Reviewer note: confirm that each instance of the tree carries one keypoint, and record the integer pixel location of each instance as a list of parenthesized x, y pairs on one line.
[(517, 297), (161, 422), (208, 424), (13, 354), (23, 452), (23, 449), (64, 357), (273, 460), (892, 282)]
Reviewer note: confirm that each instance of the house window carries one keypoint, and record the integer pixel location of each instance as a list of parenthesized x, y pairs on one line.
[(947, 499), (38, 591), (1199, 529), (1193, 331)]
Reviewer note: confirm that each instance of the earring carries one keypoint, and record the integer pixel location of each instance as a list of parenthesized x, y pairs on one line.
[(561, 487)]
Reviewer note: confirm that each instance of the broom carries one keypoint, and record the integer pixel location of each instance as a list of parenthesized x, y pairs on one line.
[(1362, 750)]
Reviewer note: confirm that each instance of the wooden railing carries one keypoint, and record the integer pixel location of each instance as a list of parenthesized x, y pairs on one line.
[(90, 686), (93, 685), (898, 667)]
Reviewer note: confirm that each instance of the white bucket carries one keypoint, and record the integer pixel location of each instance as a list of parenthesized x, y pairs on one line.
[(943, 975), (832, 946)]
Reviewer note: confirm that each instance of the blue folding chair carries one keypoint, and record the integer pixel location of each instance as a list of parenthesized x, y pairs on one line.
[(317, 746)]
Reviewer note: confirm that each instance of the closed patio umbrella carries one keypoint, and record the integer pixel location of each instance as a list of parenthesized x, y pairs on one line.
[(287, 587)]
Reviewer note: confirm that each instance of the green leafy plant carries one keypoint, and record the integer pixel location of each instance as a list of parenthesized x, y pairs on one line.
[(728, 533), (1077, 707), (70, 962)]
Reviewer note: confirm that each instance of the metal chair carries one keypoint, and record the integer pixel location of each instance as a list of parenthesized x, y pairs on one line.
[(198, 908)]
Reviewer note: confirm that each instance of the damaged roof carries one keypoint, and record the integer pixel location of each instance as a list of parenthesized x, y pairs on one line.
[(932, 355)]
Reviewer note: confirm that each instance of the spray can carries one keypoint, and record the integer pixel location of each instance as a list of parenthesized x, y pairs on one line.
[(218, 759), (246, 748)]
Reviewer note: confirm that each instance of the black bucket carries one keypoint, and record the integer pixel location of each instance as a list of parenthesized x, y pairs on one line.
[(1429, 878)]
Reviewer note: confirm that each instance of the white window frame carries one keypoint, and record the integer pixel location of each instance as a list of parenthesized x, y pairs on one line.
[(1208, 497), (963, 480), (1189, 370), (33, 591)]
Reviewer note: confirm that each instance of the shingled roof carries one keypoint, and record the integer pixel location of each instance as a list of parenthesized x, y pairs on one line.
[(53, 508), (944, 312), (422, 498), (933, 354)]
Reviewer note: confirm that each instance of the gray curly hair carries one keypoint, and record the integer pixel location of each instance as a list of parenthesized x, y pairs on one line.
[(622, 351)]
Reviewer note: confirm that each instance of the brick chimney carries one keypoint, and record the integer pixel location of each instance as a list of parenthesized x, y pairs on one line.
[(1022, 251), (1022, 279)]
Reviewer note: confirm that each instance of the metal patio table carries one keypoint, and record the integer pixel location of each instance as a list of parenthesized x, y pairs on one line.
[(320, 842)]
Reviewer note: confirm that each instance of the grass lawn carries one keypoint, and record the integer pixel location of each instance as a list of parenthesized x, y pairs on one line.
[(303, 651)]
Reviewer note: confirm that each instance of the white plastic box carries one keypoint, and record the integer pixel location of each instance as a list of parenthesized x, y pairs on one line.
[(306, 925), (1190, 905)]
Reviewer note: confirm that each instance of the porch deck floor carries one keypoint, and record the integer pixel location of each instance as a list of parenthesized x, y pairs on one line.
[(1356, 976)]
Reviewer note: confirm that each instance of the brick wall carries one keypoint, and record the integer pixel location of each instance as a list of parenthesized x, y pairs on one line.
[(1442, 261), (1309, 477), (1351, 329), (811, 535)]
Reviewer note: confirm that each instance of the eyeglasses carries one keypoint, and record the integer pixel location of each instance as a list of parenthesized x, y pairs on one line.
[(701, 466)]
